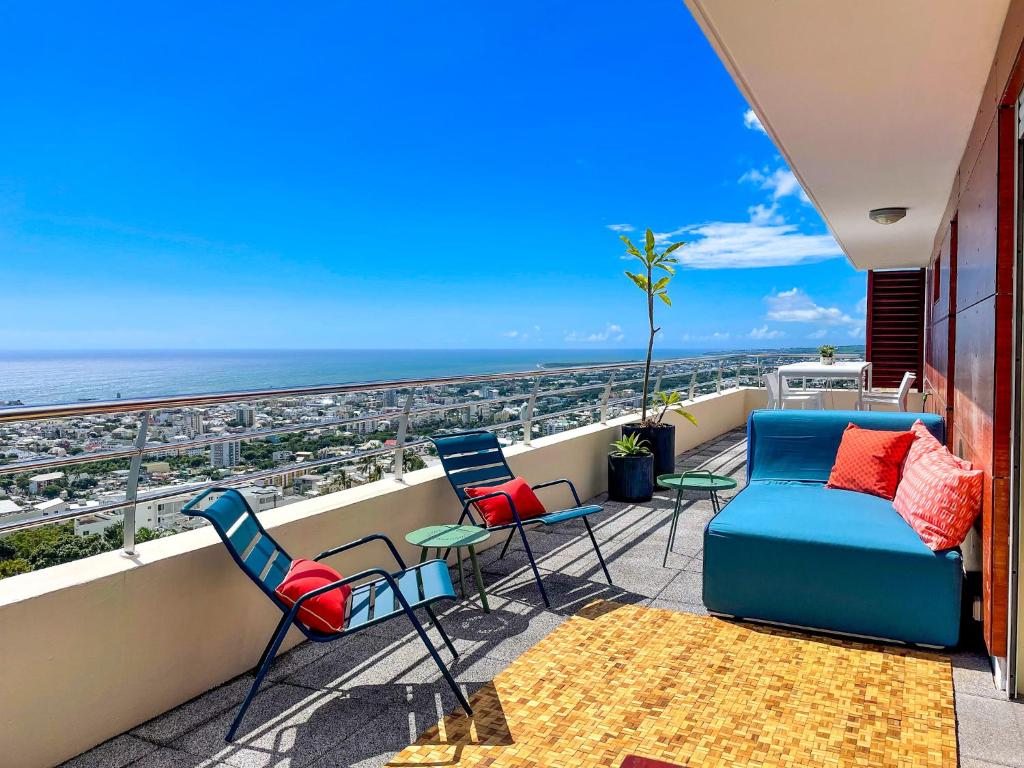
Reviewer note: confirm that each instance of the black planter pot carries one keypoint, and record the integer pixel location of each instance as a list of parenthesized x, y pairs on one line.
[(630, 478), (661, 440)]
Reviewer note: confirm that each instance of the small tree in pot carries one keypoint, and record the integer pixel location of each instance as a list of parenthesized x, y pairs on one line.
[(659, 436), (827, 354)]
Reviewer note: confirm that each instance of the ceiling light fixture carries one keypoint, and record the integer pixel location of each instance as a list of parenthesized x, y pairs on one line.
[(887, 215)]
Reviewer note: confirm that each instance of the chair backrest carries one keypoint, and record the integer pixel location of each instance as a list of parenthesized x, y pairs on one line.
[(471, 458), (904, 390), (250, 546), (771, 384)]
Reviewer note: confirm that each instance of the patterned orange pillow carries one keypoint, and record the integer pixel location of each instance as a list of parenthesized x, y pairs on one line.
[(869, 461), (939, 498), (925, 442)]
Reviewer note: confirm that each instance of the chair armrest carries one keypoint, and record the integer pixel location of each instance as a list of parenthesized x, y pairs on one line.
[(561, 480), (474, 499), (359, 543)]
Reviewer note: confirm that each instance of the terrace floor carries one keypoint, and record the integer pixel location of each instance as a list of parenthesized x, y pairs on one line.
[(357, 703)]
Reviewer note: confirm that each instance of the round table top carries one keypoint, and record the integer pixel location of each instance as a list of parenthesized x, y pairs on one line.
[(444, 536), (696, 482)]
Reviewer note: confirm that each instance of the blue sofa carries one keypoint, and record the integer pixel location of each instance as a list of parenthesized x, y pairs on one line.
[(789, 550)]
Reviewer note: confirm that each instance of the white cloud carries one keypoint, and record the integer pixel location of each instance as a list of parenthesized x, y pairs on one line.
[(780, 183), (716, 336), (522, 335), (741, 245), (763, 333), (765, 214), (753, 122), (862, 306), (795, 306), (611, 332), (620, 227)]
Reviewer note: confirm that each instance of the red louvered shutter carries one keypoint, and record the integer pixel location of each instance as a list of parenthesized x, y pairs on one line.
[(895, 325)]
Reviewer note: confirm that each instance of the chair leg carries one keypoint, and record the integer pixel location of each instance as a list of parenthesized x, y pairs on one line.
[(261, 671), (533, 564), (508, 541), (440, 664), (440, 631), (597, 549)]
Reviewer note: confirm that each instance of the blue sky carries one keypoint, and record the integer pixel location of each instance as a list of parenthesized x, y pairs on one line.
[(396, 174)]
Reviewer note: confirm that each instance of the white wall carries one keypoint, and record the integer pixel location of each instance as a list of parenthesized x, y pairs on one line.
[(92, 648)]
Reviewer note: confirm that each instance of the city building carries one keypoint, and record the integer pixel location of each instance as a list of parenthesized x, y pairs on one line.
[(192, 422), (245, 415), (37, 483), (226, 454)]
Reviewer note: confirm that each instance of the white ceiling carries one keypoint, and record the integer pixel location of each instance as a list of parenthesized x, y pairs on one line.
[(871, 102)]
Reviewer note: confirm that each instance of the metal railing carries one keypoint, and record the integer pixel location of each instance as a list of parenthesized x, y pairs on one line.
[(696, 376)]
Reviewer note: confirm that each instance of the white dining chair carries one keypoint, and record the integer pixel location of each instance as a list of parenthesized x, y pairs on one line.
[(779, 394), (897, 399)]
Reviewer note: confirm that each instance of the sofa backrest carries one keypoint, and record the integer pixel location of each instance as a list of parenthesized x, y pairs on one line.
[(802, 445)]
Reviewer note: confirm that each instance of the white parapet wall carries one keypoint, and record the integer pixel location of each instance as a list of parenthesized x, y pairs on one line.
[(92, 648)]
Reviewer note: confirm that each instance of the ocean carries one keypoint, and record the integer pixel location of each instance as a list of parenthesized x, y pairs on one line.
[(36, 378)]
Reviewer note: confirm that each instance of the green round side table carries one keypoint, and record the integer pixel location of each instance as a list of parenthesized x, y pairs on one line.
[(447, 537), (692, 481)]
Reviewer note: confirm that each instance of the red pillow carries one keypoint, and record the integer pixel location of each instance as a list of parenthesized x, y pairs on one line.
[(869, 461), (939, 498), (327, 612), (496, 511)]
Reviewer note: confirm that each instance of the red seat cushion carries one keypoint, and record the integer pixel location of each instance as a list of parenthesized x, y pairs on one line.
[(939, 497), (325, 613), (869, 461), (496, 511)]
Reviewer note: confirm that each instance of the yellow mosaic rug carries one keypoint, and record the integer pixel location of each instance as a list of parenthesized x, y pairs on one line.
[(617, 680)]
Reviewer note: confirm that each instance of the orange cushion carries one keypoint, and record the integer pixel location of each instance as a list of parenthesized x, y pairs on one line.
[(326, 612), (496, 511), (869, 461), (939, 498)]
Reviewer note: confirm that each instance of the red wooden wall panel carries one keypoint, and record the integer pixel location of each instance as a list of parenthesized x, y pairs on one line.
[(970, 332), (976, 236)]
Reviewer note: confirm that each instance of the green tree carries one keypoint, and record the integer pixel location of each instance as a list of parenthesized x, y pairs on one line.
[(412, 462), (65, 549), (651, 260), (14, 567)]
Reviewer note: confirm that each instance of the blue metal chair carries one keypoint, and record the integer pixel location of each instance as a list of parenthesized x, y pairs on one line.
[(387, 596), (475, 458)]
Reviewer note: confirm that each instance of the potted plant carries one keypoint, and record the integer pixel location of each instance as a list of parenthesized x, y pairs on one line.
[(827, 353), (660, 437), (630, 470)]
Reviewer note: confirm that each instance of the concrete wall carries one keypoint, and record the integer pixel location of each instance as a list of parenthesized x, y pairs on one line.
[(92, 648)]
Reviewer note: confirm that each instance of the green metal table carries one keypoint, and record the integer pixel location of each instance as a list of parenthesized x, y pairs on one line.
[(692, 481), (448, 537)]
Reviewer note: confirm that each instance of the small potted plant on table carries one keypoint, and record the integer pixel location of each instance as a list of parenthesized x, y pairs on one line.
[(630, 470), (827, 354)]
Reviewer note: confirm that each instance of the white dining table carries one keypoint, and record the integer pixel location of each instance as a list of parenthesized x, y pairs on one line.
[(858, 370)]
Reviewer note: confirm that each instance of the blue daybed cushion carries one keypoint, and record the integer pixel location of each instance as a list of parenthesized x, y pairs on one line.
[(811, 556)]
